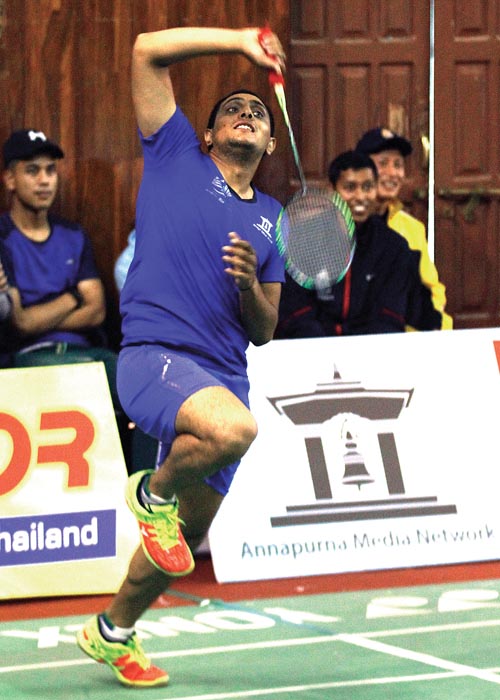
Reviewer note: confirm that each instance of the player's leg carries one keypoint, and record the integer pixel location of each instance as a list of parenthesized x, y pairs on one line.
[(144, 583), (203, 425), (110, 637), (214, 429)]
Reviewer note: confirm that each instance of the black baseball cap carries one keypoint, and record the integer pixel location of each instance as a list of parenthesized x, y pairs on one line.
[(382, 139), (28, 143)]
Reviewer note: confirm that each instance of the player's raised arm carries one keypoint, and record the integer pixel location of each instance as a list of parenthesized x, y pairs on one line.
[(154, 52)]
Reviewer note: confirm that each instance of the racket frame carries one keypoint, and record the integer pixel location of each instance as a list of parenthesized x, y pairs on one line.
[(302, 278)]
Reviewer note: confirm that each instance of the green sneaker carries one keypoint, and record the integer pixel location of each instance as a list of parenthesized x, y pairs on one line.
[(160, 528), (126, 659)]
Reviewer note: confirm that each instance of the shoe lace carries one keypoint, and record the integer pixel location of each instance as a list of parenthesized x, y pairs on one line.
[(166, 530), (123, 653), (134, 654)]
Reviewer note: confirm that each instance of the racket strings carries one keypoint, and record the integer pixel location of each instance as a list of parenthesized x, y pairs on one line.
[(318, 239)]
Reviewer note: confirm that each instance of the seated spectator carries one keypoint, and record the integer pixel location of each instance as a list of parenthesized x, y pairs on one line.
[(58, 302), (389, 150), (381, 288)]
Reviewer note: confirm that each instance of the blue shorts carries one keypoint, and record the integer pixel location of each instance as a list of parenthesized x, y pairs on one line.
[(154, 381)]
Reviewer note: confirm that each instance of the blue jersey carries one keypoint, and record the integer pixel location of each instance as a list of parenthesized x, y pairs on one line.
[(42, 271), (177, 293)]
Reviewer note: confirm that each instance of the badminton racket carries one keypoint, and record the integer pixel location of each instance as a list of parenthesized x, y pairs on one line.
[(315, 229)]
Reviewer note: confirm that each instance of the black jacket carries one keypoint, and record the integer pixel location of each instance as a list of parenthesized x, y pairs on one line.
[(381, 292)]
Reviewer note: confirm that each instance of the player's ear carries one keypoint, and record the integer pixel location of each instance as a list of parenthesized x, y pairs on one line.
[(208, 138), (271, 146)]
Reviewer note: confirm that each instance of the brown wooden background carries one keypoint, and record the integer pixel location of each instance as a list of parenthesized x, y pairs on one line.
[(353, 64)]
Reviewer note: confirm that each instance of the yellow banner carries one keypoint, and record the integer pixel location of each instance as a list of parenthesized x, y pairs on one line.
[(64, 525)]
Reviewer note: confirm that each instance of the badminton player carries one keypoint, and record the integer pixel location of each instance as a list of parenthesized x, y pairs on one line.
[(205, 281)]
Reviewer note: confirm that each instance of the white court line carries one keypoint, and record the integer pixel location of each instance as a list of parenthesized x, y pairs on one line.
[(182, 652), (317, 686), (427, 659), (300, 641), (451, 627)]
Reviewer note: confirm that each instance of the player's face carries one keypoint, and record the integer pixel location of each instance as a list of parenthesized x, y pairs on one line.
[(359, 189), (391, 173), (33, 182), (242, 122)]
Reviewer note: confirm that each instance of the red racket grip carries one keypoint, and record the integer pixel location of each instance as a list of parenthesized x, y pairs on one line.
[(275, 76)]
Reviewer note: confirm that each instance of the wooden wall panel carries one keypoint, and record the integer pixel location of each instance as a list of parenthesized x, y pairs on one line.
[(309, 18), (476, 282), (373, 57), (310, 100), (353, 20), (471, 101), (471, 18), (468, 158), (397, 18), (65, 69), (397, 88), (352, 86)]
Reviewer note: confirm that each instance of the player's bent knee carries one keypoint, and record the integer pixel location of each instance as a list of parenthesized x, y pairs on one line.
[(235, 438), (248, 432)]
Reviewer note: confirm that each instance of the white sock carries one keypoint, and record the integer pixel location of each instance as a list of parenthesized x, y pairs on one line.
[(113, 633), (148, 497)]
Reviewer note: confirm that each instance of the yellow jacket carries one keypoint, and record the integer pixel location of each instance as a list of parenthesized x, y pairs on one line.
[(413, 231)]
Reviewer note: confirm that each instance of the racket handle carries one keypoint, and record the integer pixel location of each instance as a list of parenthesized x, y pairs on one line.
[(275, 75), (276, 78)]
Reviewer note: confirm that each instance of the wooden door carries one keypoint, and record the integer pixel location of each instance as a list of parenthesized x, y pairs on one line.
[(356, 64), (467, 162)]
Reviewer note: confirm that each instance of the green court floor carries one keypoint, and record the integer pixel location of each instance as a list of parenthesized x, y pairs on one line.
[(433, 642)]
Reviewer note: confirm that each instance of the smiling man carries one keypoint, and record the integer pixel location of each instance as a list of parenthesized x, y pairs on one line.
[(381, 290), (204, 282), (355, 179), (389, 150)]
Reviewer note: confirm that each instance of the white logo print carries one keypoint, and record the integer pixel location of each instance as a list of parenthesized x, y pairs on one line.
[(265, 227), (34, 135), (220, 189), (165, 368)]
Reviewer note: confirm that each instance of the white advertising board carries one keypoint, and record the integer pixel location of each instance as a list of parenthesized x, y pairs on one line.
[(64, 525), (374, 452)]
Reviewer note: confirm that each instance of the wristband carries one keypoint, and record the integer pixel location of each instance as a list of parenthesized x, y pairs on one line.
[(77, 296)]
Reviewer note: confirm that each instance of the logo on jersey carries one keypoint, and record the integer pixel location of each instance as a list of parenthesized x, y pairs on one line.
[(220, 190), (265, 227)]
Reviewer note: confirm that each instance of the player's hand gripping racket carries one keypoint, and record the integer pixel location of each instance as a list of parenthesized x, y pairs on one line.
[(315, 229)]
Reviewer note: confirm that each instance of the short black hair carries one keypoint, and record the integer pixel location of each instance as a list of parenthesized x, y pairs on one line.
[(217, 105), (350, 160)]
